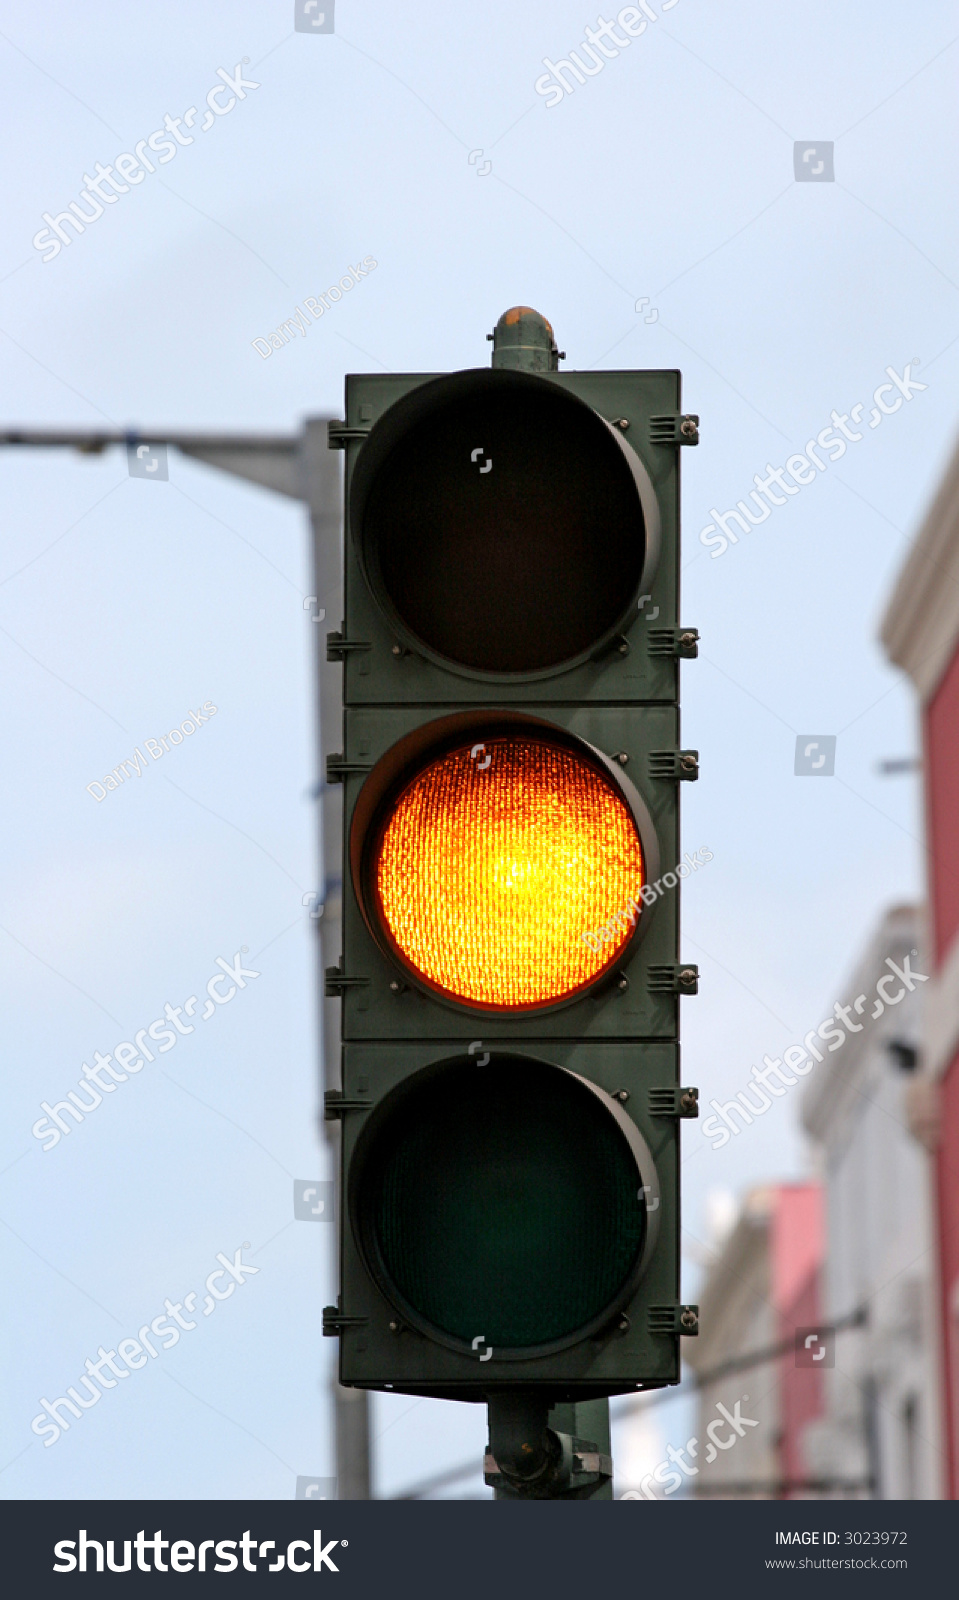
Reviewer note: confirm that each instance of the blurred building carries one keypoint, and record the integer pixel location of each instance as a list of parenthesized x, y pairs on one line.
[(762, 1286), (879, 1427), (921, 634)]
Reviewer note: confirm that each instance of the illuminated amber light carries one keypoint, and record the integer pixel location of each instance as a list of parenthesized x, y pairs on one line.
[(509, 873)]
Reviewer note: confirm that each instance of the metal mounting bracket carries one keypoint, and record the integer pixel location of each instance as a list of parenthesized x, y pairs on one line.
[(580, 1466)]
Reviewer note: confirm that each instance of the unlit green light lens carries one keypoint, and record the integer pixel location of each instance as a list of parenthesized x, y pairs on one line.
[(507, 1203)]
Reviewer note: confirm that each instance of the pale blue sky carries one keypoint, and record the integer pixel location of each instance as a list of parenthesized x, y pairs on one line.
[(125, 604)]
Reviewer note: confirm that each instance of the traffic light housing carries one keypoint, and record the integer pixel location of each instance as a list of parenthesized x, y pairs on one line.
[(510, 976)]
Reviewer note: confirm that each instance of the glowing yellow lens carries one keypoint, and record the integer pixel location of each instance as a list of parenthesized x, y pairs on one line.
[(509, 873)]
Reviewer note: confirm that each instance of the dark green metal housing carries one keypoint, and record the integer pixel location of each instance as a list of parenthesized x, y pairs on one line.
[(511, 559)]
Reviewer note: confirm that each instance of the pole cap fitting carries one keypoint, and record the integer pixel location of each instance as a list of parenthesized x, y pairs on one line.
[(523, 340)]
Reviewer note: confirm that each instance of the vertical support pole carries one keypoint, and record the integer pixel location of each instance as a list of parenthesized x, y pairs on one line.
[(870, 1410), (322, 491), (517, 1434)]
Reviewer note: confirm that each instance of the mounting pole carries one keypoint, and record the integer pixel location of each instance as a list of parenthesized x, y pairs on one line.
[(539, 1452), (302, 467)]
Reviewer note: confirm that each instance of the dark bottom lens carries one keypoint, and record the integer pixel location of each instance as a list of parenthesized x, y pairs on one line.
[(506, 1201)]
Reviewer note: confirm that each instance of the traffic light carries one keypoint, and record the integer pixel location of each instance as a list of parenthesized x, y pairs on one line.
[(510, 976)]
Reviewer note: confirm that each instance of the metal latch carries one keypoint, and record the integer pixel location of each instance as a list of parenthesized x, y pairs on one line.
[(673, 1102), (682, 764), (673, 1319), (674, 428), (675, 642), (334, 1321), (338, 646), (337, 983), (674, 978), (337, 768), (339, 434), (335, 1103)]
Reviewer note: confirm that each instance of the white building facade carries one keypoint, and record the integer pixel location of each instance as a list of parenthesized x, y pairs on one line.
[(882, 1406)]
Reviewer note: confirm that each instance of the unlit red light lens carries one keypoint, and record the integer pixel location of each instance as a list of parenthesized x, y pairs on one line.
[(509, 872)]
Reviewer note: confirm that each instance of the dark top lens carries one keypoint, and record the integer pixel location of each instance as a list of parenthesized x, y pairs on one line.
[(504, 526)]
